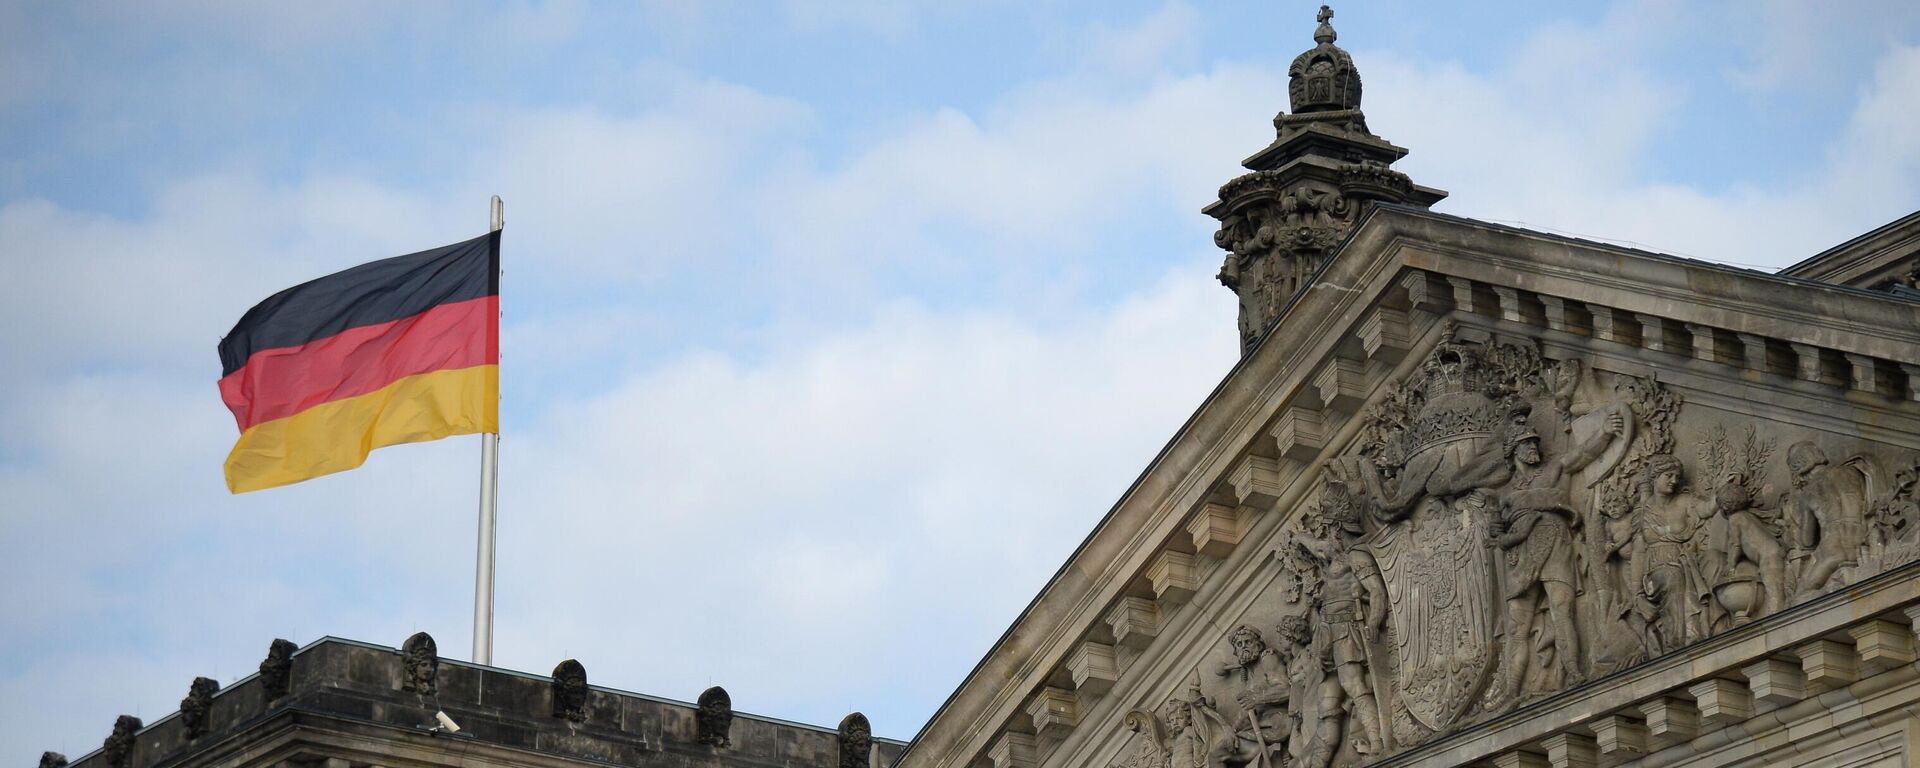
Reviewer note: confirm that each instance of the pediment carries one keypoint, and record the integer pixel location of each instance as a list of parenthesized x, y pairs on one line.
[(1478, 485)]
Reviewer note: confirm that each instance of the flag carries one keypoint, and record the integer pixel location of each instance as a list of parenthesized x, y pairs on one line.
[(400, 350)]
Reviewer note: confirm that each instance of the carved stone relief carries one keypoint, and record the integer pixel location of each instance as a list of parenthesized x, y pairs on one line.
[(856, 741), (420, 664), (276, 671), (118, 747), (1275, 242), (569, 691), (713, 721), (194, 708), (1505, 526)]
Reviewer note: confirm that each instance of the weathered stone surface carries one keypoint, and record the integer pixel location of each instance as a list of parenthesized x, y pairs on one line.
[(346, 690), (714, 718), (421, 664)]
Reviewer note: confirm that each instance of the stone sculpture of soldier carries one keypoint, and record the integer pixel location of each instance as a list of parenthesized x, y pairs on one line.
[(1537, 532)]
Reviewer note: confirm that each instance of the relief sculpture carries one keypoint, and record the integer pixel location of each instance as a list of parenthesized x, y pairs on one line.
[(1505, 526)]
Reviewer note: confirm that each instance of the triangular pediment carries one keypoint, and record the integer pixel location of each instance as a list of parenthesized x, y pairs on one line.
[(1478, 486)]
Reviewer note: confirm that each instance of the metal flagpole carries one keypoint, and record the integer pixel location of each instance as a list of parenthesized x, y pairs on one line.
[(489, 487)]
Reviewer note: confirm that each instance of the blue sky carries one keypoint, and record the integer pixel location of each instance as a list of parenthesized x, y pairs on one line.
[(831, 328)]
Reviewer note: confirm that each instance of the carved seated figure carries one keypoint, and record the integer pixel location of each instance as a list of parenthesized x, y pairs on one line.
[(1752, 552)]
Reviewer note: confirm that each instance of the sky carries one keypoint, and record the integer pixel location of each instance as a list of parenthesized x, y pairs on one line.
[(830, 328)]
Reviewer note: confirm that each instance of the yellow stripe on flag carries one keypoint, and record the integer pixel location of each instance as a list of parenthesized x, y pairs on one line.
[(336, 436)]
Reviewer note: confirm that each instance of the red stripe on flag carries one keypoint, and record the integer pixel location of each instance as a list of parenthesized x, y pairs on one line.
[(280, 382)]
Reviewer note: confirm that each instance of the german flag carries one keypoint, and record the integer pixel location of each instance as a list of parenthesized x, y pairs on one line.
[(400, 350)]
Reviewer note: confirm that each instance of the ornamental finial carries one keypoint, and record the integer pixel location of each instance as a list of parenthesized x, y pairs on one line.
[(1325, 33)]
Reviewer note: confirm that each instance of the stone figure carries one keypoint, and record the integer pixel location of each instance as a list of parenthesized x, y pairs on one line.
[(1352, 610), (1259, 675), (118, 748), (713, 721), (1828, 505), (420, 664), (276, 671), (569, 691), (1750, 553), (1536, 530), (194, 708), (1185, 735), (856, 741), (52, 760), (1672, 521)]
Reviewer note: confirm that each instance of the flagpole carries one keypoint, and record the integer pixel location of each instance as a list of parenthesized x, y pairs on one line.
[(489, 517)]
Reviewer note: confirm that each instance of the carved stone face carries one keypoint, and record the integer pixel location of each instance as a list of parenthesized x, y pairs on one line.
[(1667, 482), (1804, 457), (1177, 717), (1527, 452), (1247, 646)]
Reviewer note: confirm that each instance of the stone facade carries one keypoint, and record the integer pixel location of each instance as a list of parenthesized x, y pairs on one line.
[(1484, 496), (344, 704)]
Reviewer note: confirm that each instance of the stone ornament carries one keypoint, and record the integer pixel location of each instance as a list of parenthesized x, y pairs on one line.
[(1280, 222), (420, 664), (52, 760), (569, 691), (713, 720), (1323, 79), (194, 708), (118, 748), (276, 671), (1505, 526), (856, 741)]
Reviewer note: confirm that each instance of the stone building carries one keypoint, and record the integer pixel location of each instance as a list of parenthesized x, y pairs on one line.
[(1474, 495), (1477, 495), (343, 704)]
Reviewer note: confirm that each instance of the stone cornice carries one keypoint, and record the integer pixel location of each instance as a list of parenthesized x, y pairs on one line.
[(1866, 259)]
